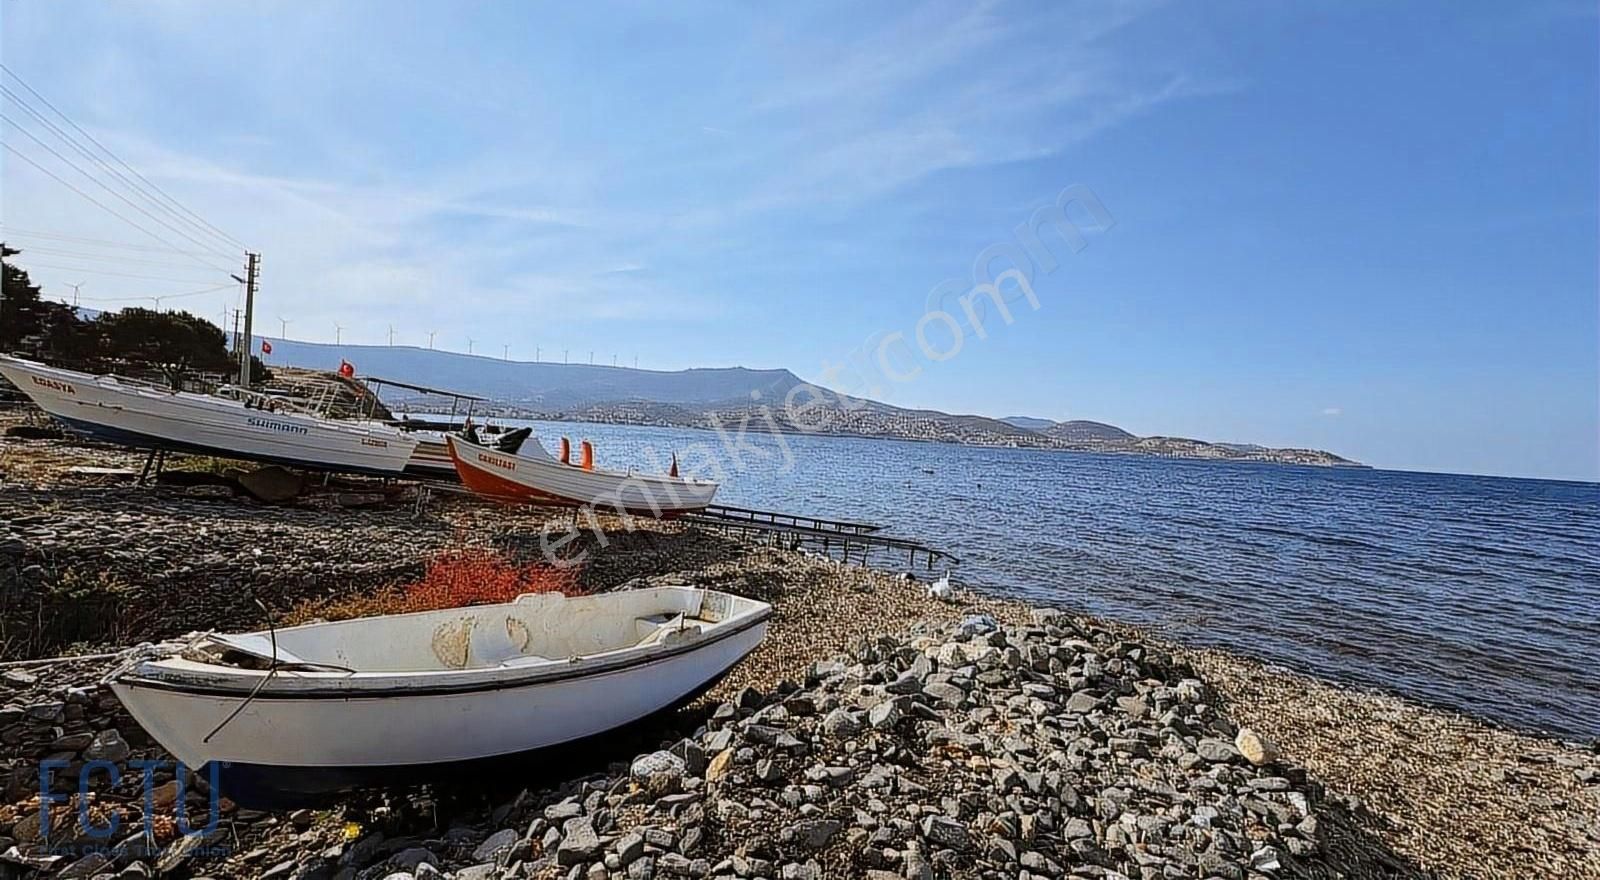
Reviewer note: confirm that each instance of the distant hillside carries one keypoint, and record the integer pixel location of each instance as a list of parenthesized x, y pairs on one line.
[(539, 385), (1081, 431), (733, 396)]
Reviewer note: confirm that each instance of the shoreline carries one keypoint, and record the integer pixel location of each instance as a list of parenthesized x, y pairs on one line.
[(1408, 789)]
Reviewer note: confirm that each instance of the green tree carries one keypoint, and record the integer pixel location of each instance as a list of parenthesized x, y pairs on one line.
[(176, 343), (24, 316)]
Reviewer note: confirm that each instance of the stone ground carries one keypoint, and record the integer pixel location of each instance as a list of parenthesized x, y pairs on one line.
[(1411, 791)]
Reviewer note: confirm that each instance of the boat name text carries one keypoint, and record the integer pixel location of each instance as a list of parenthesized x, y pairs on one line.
[(276, 426), (53, 385), (497, 462)]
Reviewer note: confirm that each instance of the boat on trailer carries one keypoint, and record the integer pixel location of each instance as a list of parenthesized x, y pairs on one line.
[(251, 426), (531, 475), (329, 706)]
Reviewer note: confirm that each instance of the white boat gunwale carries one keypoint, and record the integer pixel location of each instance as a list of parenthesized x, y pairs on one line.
[(202, 682)]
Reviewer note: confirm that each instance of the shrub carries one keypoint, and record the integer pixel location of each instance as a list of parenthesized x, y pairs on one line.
[(452, 579)]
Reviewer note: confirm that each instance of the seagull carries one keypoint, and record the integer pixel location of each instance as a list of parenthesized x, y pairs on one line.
[(940, 589)]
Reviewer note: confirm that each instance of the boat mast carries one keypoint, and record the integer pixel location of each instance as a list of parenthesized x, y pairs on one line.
[(252, 268)]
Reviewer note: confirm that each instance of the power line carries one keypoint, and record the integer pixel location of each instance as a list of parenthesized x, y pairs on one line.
[(69, 140), (158, 298), (52, 151), (99, 258), (33, 264), (96, 202), (179, 205), (56, 236)]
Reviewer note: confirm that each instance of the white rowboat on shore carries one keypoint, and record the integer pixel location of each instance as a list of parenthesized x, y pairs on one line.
[(374, 697), (147, 416)]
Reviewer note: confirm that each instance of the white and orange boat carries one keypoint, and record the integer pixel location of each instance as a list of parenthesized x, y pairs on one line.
[(531, 475)]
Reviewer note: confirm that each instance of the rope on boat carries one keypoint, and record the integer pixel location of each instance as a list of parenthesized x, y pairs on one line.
[(46, 661), (272, 631), (272, 671)]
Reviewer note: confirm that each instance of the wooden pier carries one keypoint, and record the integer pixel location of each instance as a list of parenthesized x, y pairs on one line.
[(844, 536)]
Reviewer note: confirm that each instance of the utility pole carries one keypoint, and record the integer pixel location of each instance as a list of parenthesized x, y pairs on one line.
[(235, 332), (252, 271)]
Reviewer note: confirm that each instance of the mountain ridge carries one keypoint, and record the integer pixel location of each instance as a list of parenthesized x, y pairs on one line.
[(726, 395)]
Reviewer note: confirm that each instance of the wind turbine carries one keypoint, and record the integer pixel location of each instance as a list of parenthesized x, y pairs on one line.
[(391, 336), (470, 340), (338, 333), (430, 339), (283, 327), (75, 292), (505, 352)]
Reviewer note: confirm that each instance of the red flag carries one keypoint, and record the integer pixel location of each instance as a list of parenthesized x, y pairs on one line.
[(347, 369), (266, 347)]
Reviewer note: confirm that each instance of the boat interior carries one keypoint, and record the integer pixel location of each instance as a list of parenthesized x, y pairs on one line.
[(542, 628)]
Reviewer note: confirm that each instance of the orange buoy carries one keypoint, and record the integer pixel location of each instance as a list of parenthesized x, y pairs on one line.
[(588, 455), (566, 451)]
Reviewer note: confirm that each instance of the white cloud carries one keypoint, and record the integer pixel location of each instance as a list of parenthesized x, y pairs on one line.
[(1332, 411)]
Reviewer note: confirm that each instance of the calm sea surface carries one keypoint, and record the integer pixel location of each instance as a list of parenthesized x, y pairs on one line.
[(1480, 594)]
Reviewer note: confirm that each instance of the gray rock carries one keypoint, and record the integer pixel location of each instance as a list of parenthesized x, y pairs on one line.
[(629, 846), (411, 858), (1216, 751), (657, 764), (579, 842), (107, 745), (1082, 703), (945, 832), (496, 843), (842, 722), (884, 716)]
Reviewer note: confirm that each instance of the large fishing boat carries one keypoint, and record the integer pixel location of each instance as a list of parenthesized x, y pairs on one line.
[(247, 426)]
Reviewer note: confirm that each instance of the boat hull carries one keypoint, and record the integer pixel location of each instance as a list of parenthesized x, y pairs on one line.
[(528, 480), (376, 734), (143, 417), (267, 786)]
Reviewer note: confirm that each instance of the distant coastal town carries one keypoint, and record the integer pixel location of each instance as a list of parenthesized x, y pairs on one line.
[(881, 422)]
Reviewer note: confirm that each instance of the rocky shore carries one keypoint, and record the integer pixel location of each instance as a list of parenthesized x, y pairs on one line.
[(878, 732)]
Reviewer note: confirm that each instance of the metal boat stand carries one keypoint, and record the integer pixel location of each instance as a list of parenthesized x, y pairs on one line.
[(155, 461)]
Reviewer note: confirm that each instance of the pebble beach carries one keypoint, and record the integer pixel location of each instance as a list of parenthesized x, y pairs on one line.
[(878, 732)]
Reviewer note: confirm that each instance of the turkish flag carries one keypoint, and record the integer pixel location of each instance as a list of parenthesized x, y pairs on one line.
[(347, 369), (266, 347)]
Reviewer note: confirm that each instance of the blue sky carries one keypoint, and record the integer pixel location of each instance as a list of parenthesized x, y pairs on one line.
[(1345, 225)]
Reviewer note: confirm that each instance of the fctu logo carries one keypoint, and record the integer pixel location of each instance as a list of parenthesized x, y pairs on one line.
[(112, 822)]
